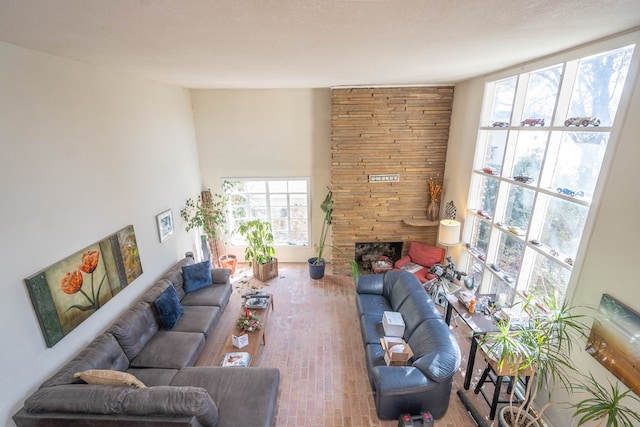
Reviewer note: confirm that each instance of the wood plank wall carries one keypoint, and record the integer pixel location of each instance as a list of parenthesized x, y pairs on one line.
[(400, 130)]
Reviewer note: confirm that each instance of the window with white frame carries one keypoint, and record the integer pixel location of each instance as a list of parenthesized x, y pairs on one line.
[(539, 154), (284, 202)]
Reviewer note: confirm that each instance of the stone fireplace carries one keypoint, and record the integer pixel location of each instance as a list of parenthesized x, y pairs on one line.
[(385, 131), (366, 252)]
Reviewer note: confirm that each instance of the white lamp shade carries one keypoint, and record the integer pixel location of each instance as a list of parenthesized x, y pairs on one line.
[(449, 232)]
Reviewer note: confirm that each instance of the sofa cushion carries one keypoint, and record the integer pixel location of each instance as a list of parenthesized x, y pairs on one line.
[(170, 349), (135, 328), (169, 400), (220, 275), (215, 295), (174, 275), (425, 255), (169, 307), (234, 390), (198, 319), (153, 377), (436, 351), (196, 276), (109, 377), (102, 353), (415, 309), (405, 285), (372, 304), (154, 292), (371, 328)]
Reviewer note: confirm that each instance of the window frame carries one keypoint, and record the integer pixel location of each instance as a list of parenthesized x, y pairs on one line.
[(231, 190), (471, 259)]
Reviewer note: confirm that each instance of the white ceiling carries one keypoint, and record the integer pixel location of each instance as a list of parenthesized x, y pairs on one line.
[(309, 43)]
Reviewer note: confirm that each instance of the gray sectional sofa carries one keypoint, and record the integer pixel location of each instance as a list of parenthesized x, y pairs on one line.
[(425, 383), (174, 392)]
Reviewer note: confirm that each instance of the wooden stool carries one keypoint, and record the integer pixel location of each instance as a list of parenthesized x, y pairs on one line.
[(496, 376)]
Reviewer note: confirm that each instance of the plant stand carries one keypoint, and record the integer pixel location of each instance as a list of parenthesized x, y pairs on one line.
[(264, 272)]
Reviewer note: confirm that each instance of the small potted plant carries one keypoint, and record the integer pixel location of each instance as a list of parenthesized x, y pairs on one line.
[(260, 251), (208, 212)]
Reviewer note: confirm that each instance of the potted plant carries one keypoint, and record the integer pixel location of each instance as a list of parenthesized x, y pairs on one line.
[(539, 348), (260, 251), (208, 212), (605, 405), (317, 263)]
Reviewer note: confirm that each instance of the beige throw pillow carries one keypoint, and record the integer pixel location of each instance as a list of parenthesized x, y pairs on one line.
[(108, 377)]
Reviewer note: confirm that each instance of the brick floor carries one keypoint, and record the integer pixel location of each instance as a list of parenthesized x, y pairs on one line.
[(313, 337)]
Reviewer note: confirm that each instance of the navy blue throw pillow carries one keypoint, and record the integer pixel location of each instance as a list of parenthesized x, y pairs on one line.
[(196, 276), (169, 307)]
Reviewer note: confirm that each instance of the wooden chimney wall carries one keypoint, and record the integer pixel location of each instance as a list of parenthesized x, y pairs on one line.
[(381, 131)]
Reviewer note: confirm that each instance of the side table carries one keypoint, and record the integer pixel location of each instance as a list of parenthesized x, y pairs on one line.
[(479, 323)]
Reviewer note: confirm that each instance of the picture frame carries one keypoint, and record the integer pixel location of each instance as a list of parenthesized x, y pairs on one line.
[(165, 225), (612, 340), (68, 292)]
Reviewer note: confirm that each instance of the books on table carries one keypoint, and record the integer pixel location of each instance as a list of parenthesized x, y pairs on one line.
[(236, 358), (411, 267)]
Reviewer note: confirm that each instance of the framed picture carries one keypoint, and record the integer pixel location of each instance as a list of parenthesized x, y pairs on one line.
[(66, 293), (165, 225), (613, 341)]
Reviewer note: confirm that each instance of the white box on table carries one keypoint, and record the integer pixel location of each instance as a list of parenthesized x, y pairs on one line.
[(393, 324)]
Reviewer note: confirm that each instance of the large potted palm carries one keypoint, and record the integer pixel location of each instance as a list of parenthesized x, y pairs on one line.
[(317, 263), (260, 251), (539, 348)]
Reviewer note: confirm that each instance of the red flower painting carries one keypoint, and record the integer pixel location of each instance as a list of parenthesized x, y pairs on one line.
[(72, 282)]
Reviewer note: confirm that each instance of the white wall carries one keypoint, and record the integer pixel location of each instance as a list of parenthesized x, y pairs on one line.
[(83, 153), (266, 133), (606, 265)]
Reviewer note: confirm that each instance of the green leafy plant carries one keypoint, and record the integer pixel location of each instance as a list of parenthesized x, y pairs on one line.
[(327, 208), (540, 348), (605, 405), (260, 241), (207, 212)]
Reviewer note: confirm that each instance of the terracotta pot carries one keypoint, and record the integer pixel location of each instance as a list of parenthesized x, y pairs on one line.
[(229, 261)]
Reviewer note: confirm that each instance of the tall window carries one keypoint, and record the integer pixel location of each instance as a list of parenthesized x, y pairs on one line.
[(281, 201), (539, 154)]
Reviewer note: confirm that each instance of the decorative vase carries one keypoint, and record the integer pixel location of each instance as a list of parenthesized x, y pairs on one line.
[(433, 210), (316, 271)]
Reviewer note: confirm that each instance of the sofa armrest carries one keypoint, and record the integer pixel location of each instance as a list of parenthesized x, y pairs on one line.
[(403, 261), (109, 400), (399, 380), (370, 284)]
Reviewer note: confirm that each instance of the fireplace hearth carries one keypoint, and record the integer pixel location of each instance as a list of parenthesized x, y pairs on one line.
[(366, 252)]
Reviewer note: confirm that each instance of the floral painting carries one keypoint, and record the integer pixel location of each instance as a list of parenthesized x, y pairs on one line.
[(71, 290)]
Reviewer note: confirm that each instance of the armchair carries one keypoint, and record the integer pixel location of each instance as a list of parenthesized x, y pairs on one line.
[(423, 255)]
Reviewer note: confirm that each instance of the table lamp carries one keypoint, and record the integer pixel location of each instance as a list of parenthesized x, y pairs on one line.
[(449, 233)]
